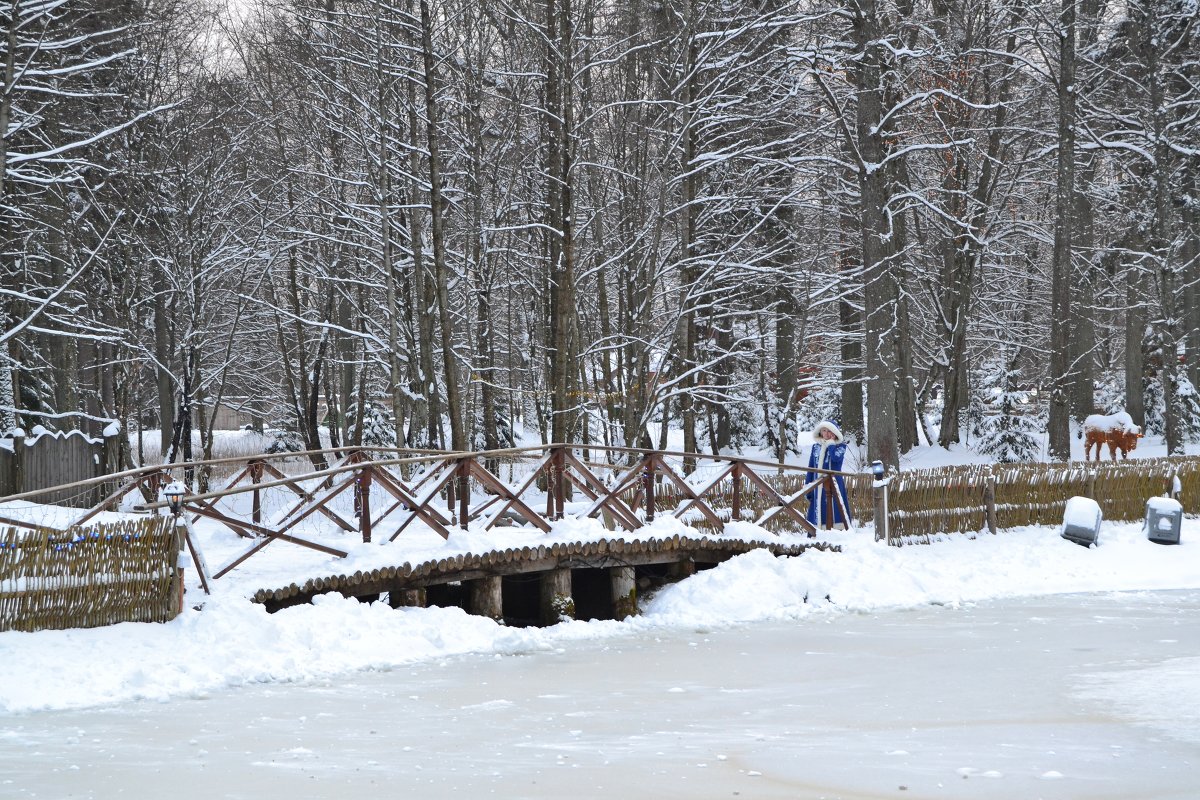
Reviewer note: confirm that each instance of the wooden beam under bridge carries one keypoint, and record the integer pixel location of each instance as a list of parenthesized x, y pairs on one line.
[(467, 567)]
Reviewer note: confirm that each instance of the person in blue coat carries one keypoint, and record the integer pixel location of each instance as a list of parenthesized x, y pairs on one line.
[(828, 452)]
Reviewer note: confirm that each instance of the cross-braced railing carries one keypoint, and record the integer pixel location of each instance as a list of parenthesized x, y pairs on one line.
[(442, 490)]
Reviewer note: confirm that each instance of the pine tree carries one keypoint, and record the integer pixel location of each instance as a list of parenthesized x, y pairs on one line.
[(1006, 434), (1188, 408), (378, 430)]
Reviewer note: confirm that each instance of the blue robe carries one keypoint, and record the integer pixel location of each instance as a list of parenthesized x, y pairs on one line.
[(835, 454)]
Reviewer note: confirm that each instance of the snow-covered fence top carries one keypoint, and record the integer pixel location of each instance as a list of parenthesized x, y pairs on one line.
[(47, 458), (87, 577), (959, 499)]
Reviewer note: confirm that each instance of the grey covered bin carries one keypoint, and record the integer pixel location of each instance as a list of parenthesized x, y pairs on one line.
[(1164, 516), (1081, 521)]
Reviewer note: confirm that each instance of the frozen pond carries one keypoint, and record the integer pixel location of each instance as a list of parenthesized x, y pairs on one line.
[(1076, 696)]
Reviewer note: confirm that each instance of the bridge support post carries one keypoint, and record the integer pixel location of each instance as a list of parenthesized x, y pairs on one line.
[(406, 598), (557, 603), (681, 569), (624, 592), (485, 597)]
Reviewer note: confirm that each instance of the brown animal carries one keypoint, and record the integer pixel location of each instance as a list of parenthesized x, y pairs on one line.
[(1116, 430)]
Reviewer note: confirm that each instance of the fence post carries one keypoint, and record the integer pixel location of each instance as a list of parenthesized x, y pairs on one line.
[(111, 462), (256, 472), (464, 493), (879, 493), (989, 502), (560, 492), (19, 453)]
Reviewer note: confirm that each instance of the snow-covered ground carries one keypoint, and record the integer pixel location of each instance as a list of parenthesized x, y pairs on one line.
[(231, 642), (1066, 697)]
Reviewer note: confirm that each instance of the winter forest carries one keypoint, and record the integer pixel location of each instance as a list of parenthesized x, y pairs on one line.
[(416, 222)]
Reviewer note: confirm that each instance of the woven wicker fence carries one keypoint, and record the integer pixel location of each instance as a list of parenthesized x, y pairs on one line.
[(955, 499), (88, 577)]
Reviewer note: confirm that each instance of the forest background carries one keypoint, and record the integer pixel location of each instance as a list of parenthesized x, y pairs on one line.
[(420, 222)]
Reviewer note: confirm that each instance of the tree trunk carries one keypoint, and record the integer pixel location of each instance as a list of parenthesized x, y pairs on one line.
[(1062, 372), (1135, 328), (878, 286), (441, 277)]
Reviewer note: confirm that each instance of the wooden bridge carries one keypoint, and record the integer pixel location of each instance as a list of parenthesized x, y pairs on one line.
[(393, 491)]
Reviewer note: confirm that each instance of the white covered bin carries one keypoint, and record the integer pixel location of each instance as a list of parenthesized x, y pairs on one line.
[(1164, 517), (1081, 521)]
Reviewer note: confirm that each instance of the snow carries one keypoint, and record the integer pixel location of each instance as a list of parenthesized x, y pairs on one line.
[(231, 642), (1081, 512), (1111, 422), (1165, 505)]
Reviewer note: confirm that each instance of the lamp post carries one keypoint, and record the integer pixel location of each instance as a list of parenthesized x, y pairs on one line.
[(879, 490), (174, 493)]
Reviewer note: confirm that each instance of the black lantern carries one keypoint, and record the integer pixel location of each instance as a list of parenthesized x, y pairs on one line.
[(878, 470), (174, 493)]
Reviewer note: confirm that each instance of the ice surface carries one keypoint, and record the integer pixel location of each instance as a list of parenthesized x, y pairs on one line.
[(1072, 697)]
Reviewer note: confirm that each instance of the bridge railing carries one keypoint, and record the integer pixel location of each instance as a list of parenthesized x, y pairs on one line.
[(364, 488)]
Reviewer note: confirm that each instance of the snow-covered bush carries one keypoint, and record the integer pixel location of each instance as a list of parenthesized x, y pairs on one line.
[(1187, 408), (378, 430), (1110, 395), (1006, 429), (505, 436), (1156, 408), (1007, 436), (822, 403), (284, 440)]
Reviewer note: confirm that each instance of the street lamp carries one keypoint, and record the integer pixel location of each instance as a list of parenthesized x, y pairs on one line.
[(174, 492), (879, 493)]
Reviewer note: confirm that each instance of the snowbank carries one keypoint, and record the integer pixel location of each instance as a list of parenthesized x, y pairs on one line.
[(231, 642)]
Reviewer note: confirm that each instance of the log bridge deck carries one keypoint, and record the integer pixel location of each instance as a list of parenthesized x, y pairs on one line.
[(538, 585)]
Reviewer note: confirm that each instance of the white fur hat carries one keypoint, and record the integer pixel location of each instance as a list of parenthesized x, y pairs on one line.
[(827, 425)]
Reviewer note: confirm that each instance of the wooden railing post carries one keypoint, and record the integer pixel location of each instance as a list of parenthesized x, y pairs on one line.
[(648, 481), (364, 503), (989, 502), (560, 492), (735, 503), (464, 492), (830, 487), (20, 452), (256, 473)]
